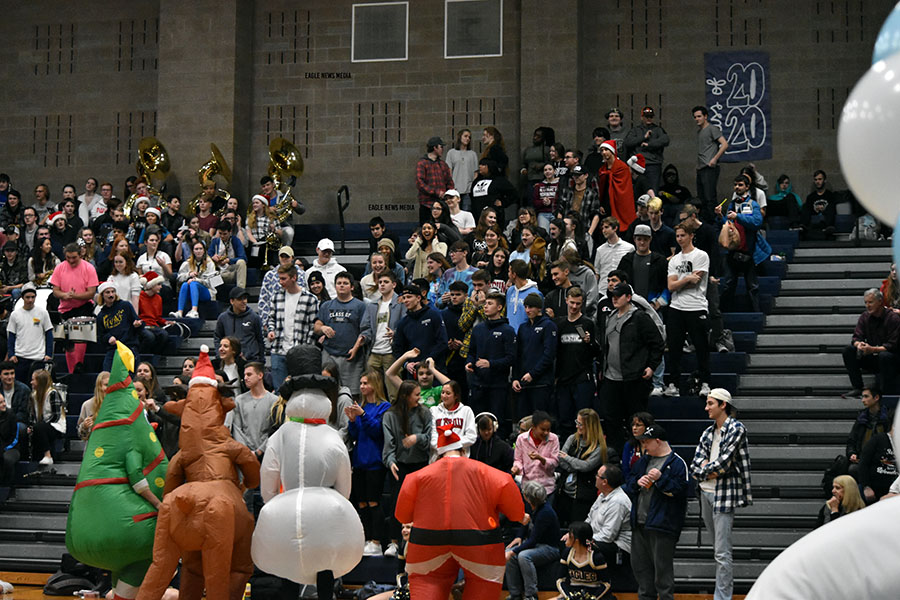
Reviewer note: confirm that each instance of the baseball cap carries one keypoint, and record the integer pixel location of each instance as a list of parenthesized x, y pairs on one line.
[(647, 111), (644, 200), (620, 290), (451, 193), (411, 288), (238, 292), (10, 246), (435, 141), (722, 395), (643, 230), (579, 170), (286, 250), (29, 287), (654, 432), (325, 244)]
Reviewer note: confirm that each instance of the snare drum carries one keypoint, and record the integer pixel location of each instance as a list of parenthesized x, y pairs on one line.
[(82, 329)]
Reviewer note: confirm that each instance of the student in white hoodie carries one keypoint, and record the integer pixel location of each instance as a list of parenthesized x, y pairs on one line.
[(326, 264), (451, 411), (516, 293)]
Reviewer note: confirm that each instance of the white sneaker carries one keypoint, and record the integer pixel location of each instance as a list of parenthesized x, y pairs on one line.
[(193, 314), (6, 587), (392, 550), (657, 391), (704, 390), (671, 390), (177, 314), (372, 549), (46, 461)]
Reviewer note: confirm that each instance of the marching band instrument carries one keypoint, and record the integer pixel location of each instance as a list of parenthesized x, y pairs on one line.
[(216, 165), (285, 165), (153, 163)]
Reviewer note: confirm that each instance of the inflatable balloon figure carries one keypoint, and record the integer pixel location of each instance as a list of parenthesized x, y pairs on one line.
[(309, 533), (203, 518), (113, 511)]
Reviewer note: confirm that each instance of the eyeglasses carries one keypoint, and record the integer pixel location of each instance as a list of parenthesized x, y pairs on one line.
[(578, 423)]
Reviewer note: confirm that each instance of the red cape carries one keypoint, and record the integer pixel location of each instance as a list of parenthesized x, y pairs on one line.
[(615, 186)]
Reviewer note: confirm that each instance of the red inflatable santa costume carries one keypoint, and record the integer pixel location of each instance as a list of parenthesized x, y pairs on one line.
[(454, 505), (614, 181)]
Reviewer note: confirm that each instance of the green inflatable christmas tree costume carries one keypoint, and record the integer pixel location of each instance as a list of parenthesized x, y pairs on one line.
[(112, 516)]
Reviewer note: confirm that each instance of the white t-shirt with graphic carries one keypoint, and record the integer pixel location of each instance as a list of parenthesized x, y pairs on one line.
[(691, 297)]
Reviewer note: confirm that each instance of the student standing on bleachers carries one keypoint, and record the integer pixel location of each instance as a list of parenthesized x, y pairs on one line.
[(658, 487), (74, 283), (291, 320), (270, 283), (579, 459), (706, 238), (241, 322), (29, 335), (326, 264), (342, 322), (382, 316), (687, 316), (538, 340), (721, 465), (421, 328), (578, 345), (250, 423), (491, 356)]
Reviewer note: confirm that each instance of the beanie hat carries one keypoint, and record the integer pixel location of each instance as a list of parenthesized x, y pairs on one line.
[(203, 370), (638, 163), (609, 145), (447, 439)]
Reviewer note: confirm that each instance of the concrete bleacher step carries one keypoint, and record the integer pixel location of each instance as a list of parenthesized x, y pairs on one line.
[(808, 407), (781, 537), (790, 384), (839, 269), (878, 254), (805, 362), (851, 304), (808, 342), (45, 550), (821, 323), (760, 478), (846, 285), (33, 520), (43, 493), (800, 457), (699, 574)]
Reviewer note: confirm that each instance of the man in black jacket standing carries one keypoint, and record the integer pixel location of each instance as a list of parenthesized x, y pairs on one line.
[(646, 269), (632, 349)]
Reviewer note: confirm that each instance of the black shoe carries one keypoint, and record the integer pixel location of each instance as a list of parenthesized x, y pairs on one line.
[(854, 393)]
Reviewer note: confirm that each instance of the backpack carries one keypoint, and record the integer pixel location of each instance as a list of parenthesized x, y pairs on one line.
[(73, 576), (867, 227)]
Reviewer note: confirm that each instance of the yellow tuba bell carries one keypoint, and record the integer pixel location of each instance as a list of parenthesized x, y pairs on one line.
[(285, 165), (216, 165), (152, 163)]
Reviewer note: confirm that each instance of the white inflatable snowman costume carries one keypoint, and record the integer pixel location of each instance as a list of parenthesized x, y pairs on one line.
[(311, 526)]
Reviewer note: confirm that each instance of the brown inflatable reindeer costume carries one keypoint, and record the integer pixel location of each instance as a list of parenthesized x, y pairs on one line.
[(203, 518)]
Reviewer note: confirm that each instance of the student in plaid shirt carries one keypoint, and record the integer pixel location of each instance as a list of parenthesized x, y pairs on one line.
[(433, 177), (722, 466), (291, 320)]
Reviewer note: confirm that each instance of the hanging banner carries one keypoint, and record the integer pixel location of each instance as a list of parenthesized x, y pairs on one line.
[(739, 101)]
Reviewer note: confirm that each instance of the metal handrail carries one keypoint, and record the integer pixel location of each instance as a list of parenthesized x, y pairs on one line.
[(342, 206)]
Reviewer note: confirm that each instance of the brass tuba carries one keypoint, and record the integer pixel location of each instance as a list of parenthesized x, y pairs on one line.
[(285, 162), (216, 165), (153, 163)]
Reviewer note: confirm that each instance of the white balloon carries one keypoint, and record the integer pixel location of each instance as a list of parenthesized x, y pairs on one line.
[(867, 139)]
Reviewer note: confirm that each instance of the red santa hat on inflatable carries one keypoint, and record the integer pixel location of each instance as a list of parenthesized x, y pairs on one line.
[(638, 163), (203, 371), (609, 145), (447, 438)]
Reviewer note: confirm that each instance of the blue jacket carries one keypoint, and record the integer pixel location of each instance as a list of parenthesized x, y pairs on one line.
[(515, 307), (424, 330), (543, 529), (750, 217), (668, 503), (368, 433), (536, 350), (494, 340), (215, 247)]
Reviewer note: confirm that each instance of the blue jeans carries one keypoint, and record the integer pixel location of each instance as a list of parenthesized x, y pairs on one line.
[(191, 294), (659, 373), (719, 525), (521, 569), (279, 370)]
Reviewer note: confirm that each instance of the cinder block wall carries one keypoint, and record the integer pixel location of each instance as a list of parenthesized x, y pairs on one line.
[(86, 81)]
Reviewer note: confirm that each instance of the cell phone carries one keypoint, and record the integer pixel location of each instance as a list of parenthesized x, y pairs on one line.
[(580, 330)]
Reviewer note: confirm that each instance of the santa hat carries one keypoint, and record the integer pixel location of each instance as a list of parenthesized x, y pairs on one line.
[(54, 216), (203, 370), (153, 210), (638, 163), (150, 279), (447, 439), (609, 145)]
